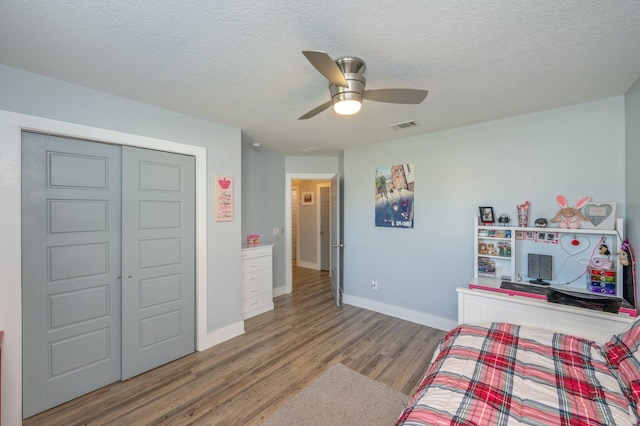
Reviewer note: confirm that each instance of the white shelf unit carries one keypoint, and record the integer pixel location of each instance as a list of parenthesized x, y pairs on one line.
[(567, 261)]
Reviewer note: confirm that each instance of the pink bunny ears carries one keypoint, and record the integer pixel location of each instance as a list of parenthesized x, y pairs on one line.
[(562, 201)]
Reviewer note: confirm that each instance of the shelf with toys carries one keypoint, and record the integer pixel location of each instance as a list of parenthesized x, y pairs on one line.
[(580, 259)]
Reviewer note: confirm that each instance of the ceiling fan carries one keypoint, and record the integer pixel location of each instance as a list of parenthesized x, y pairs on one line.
[(347, 83)]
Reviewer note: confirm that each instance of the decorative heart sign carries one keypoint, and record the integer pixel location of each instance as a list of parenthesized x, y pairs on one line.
[(574, 244), (600, 215)]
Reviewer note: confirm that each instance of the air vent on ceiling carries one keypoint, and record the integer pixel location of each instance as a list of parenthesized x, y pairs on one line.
[(311, 149), (403, 125)]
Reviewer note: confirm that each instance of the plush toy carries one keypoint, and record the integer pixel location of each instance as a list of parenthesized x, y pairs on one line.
[(570, 217), (623, 258), (623, 254), (604, 250)]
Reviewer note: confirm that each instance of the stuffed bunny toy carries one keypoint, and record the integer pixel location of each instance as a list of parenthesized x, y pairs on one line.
[(570, 217)]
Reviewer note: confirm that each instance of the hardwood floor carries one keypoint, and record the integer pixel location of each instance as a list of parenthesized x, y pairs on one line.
[(246, 379)]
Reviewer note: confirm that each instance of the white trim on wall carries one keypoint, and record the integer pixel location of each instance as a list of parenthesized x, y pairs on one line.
[(319, 223), (297, 189), (400, 312), (11, 127)]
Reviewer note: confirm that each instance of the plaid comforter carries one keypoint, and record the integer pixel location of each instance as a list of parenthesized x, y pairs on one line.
[(505, 374)]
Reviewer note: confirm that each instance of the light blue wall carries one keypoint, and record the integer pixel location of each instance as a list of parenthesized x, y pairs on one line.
[(41, 96), (311, 164), (632, 220), (263, 203), (576, 151)]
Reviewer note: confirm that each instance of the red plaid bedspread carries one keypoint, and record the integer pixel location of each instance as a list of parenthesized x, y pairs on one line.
[(504, 374)]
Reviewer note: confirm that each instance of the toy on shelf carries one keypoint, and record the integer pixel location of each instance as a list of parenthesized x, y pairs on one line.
[(570, 217), (523, 214), (504, 220), (253, 240)]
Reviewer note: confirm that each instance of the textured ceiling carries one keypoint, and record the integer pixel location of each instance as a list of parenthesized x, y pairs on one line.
[(239, 63)]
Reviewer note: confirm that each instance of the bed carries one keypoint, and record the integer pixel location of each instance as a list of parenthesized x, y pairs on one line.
[(506, 374)]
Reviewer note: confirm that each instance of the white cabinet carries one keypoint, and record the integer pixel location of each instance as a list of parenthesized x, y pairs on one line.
[(257, 280), (501, 252)]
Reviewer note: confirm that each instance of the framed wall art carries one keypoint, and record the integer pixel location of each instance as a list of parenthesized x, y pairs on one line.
[(224, 199), (308, 199), (394, 187)]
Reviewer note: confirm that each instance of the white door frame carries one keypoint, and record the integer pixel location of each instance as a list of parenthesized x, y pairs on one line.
[(289, 177), (319, 223), (290, 234)]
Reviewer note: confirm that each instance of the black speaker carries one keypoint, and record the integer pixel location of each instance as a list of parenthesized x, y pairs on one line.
[(540, 268)]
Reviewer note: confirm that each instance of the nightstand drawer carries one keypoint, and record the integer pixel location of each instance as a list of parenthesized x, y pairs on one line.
[(257, 301), (256, 252), (254, 283), (256, 264)]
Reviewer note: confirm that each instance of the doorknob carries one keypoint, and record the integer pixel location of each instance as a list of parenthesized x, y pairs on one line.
[(337, 245)]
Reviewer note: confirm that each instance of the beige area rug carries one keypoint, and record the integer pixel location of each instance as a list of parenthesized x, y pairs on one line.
[(342, 396)]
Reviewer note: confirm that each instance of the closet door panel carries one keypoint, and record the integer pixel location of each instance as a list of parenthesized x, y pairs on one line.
[(158, 259), (70, 269)]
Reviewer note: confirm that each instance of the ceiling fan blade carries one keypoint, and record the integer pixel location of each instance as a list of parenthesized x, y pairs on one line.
[(326, 66), (396, 96), (317, 110)]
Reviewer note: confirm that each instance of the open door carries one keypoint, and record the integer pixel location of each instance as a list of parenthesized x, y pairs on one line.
[(336, 242)]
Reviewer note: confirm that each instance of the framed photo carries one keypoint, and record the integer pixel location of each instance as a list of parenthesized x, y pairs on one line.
[(486, 215), (307, 199), (599, 215)]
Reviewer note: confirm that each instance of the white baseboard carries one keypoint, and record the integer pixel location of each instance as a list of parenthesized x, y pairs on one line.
[(220, 335), (279, 291), (308, 265), (402, 313)]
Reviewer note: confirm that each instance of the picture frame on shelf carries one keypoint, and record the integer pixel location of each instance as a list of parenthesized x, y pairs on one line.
[(487, 216), (600, 215)]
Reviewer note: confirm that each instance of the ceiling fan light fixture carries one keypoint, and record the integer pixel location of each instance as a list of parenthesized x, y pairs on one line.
[(347, 107), (347, 85)]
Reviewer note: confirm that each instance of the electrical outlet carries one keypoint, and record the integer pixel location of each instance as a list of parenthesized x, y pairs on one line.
[(374, 284)]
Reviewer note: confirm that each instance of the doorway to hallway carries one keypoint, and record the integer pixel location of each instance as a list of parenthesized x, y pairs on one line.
[(293, 179)]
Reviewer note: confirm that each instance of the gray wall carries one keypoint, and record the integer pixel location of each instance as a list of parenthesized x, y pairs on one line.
[(311, 165), (263, 202), (632, 158), (576, 151)]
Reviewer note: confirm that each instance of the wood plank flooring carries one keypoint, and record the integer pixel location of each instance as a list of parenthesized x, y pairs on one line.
[(246, 379)]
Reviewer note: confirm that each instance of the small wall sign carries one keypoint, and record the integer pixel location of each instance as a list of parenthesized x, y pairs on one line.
[(224, 198)]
